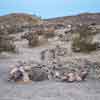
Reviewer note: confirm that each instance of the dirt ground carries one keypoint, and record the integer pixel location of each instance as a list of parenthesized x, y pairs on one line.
[(45, 90)]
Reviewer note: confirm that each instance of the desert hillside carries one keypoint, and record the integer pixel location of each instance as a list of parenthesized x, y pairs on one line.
[(84, 18), (19, 18), (27, 19), (50, 59)]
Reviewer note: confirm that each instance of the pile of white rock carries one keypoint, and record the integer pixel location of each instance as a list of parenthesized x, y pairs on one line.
[(23, 72), (51, 68), (27, 72)]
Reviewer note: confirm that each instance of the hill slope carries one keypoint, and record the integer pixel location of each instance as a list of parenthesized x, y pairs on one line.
[(85, 18), (19, 19)]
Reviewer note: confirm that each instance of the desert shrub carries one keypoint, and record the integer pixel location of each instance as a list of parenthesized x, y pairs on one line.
[(40, 32), (25, 36), (78, 46), (60, 35), (83, 40), (14, 30), (49, 34), (6, 43), (33, 39), (10, 29), (7, 47)]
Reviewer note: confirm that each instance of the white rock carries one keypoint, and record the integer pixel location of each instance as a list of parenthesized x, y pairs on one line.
[(71, 77)]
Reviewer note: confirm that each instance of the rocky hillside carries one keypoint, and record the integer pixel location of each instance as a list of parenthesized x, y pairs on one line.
[(12, 24), (85, 18), (19, 18)]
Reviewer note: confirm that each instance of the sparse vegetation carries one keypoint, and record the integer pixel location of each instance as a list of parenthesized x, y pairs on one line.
[(33, 37)]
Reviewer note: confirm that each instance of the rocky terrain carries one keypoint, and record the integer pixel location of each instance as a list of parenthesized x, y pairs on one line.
[(85, 18), (65, 59), (19, 18)]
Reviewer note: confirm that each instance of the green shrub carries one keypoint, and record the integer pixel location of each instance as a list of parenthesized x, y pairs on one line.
[(83, 40), (78, 46)]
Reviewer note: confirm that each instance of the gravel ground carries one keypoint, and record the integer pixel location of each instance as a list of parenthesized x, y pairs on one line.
[(50, 90), (46, 90)]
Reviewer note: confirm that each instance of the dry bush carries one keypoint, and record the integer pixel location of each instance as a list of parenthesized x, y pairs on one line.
[(33, 38), (6, 43), (49, 33), (34, 41), (7, 46)]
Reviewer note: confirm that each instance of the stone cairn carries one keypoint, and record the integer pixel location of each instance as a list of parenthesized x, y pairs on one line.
[(50, 68)]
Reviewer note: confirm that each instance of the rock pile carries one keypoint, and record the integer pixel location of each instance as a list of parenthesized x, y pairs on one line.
[(38, 72), (75, 76), (50, 68), (53, 53), (58, 64), (27, 72)]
